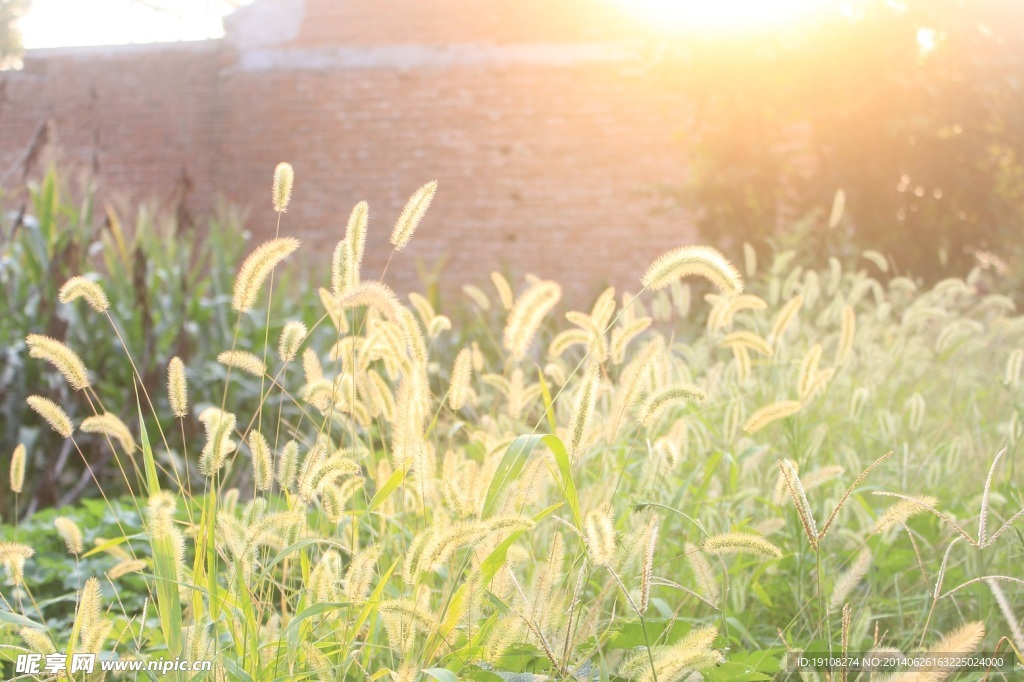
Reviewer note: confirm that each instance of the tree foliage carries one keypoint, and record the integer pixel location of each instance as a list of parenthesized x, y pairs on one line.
[(913, 108), (10, 34)]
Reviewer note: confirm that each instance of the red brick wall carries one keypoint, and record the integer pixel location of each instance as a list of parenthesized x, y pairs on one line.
[(548, 139), (142, 113)]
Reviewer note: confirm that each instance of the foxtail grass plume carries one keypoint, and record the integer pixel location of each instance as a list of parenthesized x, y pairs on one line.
[(110, 425), (527, 313), (411, 215), (901, 512), (703, 573), (650, 544), (599, 530), (220, 426), (256, 268), (92, 627), (877, 258), (70, 533), (746, 543), (361, 572), (849, 579), (177, 387), (478, 296), (658, 402), (749, 259), (18, 469), (748, 340), (37, 641), (284, 178), (808, 371), (12, 557), (462, 373), (684, 261), (771, 413), (262, 461), (60, 356), (82, 287), (582, 414), (799, 495), (339, 269), (54, 415), (785, 317), (355, 239), (288, 465), (292, 336), (1013, 365), (126, 566), (504, 289), (243, 360)]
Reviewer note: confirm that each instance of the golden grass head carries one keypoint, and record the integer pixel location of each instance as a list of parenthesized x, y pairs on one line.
[(702, 261), (111, 426), (17, 472), (177, 387), (284, 178), (82, 287), (243, 360), (37, 641), (126, 566), (1013, 366), (462, 373), (412, 214), (746, 543), (54, 415), (220, 426), (70, 533), (771, 413), (262, 461), (292, 336), (256, 268), (12, 557), (658, 402), (900, 512), (581, 417), (849, 579), (60, 356), (599, 530), (526, 315), (504, 289)]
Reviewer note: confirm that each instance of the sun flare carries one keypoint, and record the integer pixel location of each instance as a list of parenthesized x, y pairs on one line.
[(707, 15)]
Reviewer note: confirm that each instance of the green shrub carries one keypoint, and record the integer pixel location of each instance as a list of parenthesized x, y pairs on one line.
[(167, 283)]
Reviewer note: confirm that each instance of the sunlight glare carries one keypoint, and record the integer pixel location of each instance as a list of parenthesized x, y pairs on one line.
[(723, 15)]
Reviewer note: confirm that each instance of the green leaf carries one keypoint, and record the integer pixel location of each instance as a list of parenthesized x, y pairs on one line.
[(733, 672), (152, 482), (371, 603), (393, 482), (110, 543), (312, 611), (512, 464), (19, 620), (441, 674), (549, 410)]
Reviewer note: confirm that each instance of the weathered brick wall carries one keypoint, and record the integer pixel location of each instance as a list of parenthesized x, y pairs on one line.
[(549, 139), (141, 114)]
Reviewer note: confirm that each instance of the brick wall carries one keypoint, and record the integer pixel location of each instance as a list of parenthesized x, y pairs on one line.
[(549, 126)]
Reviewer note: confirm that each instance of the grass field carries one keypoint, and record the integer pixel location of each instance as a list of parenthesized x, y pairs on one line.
[(708, 475)]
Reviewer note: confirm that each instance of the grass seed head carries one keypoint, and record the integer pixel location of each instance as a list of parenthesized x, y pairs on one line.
[(284, 178), (412, 214), (82, 287), (60, 356), (17, 473), (54, 415)]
